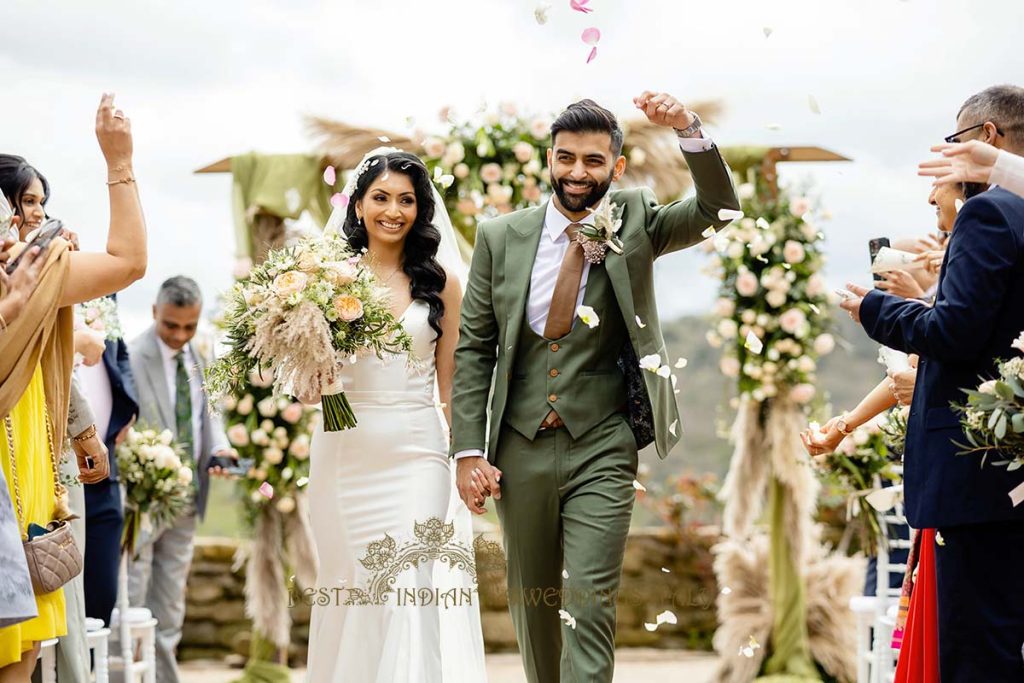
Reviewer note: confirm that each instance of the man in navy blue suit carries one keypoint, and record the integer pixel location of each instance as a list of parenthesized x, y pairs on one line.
[(110, 388), (978, 312)]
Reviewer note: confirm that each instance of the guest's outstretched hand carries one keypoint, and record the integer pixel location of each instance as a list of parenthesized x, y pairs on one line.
[(852, 305), (819, 443), (961, 162), (114, 133), (662, 109)]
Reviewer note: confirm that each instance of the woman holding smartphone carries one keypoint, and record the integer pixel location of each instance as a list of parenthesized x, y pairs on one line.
[(36, 363)]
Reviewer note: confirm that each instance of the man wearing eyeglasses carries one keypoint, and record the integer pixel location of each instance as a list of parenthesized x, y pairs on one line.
[(978, 313)]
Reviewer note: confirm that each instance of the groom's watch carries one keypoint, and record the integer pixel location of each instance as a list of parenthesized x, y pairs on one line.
[(691, 129)]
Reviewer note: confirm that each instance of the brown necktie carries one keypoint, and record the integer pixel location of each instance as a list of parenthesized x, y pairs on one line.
[(567, 288)]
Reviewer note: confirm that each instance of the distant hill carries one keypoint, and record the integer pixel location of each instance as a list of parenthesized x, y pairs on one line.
[(847, 375)]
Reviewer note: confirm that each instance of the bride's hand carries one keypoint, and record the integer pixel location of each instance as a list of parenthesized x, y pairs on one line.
[(475, 480)]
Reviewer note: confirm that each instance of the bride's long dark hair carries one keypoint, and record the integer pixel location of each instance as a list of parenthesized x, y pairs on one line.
[(419, 260)]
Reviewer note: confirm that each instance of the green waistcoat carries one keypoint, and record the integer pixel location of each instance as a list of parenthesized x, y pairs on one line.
[(576, 375)]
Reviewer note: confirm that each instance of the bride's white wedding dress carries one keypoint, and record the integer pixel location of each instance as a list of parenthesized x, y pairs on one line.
[(395, 600)]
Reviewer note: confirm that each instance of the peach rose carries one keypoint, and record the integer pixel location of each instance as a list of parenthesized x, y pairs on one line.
[(802, 393), (348, 307), (792, 320), (523, 151), (433, 147), (824, 344), (461, 171), (799, 206), (490, 173), (238, 435), (746, 283), (466, 206), (540, 128), (292, 413), (793, 252), (729, 366), (289, 283), (340, 273)]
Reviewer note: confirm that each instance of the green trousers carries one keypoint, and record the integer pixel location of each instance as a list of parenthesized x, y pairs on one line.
[(565, 510)]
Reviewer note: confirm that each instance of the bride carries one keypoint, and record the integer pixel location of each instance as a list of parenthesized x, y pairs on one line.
[(396, 599)]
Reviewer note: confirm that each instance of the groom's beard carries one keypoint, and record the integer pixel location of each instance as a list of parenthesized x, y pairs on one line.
[(582, 202)]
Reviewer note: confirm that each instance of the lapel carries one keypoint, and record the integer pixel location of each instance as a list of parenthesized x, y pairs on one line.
[(618, 273), (154, 369), (521, 240)]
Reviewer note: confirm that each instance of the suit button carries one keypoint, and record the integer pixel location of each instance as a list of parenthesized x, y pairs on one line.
[(554, 347), (552, 397), (553, 372)]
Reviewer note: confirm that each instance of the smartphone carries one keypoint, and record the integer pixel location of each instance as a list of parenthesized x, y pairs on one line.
[(238, 468), (874, 246), (51, 229)]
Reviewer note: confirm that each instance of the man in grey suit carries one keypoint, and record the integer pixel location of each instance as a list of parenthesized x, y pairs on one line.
[(169, 377)]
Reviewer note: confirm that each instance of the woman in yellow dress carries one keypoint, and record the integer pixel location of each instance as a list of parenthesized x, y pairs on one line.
[(36, 352)]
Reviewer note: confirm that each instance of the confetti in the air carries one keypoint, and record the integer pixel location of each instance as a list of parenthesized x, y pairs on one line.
[(708, 232), (339, 200), (748, 649), (753, 344), (591, 36), (939, 540), (762, 259), (588, 316), (580, 6), (266, 490), (1017, 495), (729, 215), (569, 619), (814, 309), (593, 53), (443, 179), (301, 481), (672, 427), (813, 104), (762, 223), (639, 323), (774, 126), (726, 590), (639, 487), (384, 138), (565, 574), (958, 204), (767, 31), (330, 176), (665, 617), (665, 570), (681, 363), (541, 13), (664, 372)]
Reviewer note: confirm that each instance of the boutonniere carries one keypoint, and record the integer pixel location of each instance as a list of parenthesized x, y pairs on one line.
[(601, 233)]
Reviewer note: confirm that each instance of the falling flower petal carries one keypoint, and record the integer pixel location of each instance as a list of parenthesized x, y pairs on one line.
[(672, 427), (774, 126), (747, 652), (665, 570), (939, 540), (590, 57), (958, 204), (729, 215), (640, 323), (1017, 495), (763, 224), (726, 590), (339, 200), (674, 380), (667, 617), (813, 104), (330, 176), (708, 232), (588, 316), (541, 14), (591, 36), (814, 309), (301, 481), (565, 574), (384, 138), (762, 259), (639, 487), (580, 6), (681, 363), (664, 371), (266, 490), (767, 31), (753, 344), (569, 619), (650, 627)]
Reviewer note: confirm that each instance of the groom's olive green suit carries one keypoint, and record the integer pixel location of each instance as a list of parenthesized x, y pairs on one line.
[(567, 493)]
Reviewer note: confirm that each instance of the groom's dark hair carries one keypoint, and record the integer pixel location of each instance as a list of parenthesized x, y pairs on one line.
[(587, 116)]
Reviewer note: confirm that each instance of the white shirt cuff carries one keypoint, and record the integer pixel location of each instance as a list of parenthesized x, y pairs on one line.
[(695, 145), (471, 453), (1008, 172)]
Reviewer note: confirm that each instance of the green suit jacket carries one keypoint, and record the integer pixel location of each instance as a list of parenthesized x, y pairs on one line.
[(494, 303)]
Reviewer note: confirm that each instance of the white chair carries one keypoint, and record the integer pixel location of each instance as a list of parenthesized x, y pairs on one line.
[(47, 659), (97, 638), (137, 639), (875, 655)]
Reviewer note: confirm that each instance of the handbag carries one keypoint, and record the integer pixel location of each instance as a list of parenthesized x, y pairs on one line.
[(53, 557)]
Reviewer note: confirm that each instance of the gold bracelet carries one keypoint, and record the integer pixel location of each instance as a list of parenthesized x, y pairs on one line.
[(89, 432), (126, 180)]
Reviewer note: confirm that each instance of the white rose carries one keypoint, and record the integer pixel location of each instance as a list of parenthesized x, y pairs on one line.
[(775, 298), (434, 147), (166, 437), (724, 307), (540, 128), (727, 328), (238, 435), (245, 405), (185, 475), (729, 366), (735, 250), (523, 151), (454, 154), (273, 455), (793, 252), (267, 407), (815, 285), (491, 173), (259, 438), (285, 505), (806, 364), (532, 167), (824, 344), (300, 447), (749, 316)]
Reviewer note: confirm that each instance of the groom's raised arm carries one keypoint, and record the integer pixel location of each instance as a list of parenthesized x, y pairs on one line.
[(682, 223), (475, 354)]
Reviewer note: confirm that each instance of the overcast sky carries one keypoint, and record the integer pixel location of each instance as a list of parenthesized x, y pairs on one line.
[(205, 80)]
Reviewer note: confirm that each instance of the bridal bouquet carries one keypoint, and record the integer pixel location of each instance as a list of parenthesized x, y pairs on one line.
[(298, 316), (158, 487), (100, 316), (993, 417)]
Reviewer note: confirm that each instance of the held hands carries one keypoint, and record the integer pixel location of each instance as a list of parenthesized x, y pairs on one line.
[(114, 133), (476, 479), (960, 163), (852, 305), (90, 345), (901, 283), (93, 451), (663, 110)]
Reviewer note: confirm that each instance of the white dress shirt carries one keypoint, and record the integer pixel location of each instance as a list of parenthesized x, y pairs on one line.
[(1008, 172), (95, 384), (195, 385), (548, 261)]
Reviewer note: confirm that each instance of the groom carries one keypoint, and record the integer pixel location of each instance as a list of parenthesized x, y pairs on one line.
[(571, 406)]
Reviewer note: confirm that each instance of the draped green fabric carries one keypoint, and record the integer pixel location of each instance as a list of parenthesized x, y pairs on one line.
[(260, 668), (283, 185), (790, 658)]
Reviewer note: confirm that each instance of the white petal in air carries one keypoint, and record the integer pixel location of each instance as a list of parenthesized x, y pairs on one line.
[(958, 204), (667, 617), (753, 344), (302, 481), (939, 540), (588, 316), (665, 570), (638, 486), (569, 619), (681, 363), (729, 215), (384, 138), (709, 232), (664, 371), (767, 30), (815, 309), (565, 574), (541, 14), (726, 590), (672, 427), (813, 104), (763, 224), (1017, 495), (640, 323)]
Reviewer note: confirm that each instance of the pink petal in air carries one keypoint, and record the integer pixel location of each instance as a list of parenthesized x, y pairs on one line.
[(591, 36), (580, 6), (593, 53), (266, 490), (340, 200), (330, 176)]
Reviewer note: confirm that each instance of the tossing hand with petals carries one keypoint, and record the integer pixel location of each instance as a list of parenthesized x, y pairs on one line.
[(662, 109)]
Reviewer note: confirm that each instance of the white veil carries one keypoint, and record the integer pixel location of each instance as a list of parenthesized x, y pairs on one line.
[(461, 635)]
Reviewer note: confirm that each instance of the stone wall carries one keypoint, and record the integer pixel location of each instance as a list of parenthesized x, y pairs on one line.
[(216, 626)]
